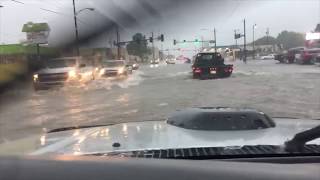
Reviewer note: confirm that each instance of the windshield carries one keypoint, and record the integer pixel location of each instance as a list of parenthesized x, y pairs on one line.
[(61, 63), (207, 59), (140, 62), (107, 63)]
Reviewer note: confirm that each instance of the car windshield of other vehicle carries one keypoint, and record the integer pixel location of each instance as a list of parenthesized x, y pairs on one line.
[(107, 63), (207, 59), (60, 63)]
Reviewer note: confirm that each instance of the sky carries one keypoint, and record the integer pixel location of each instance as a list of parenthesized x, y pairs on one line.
[(177, 19)]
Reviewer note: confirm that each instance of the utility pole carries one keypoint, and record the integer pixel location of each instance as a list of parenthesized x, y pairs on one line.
[(161, 54), (153, 55), (118, 42), (253, 43), (76, 28), (267, 33), (215, 40), (38, 51), (244, 42), (235, 32), (202, 42), (1, 36)]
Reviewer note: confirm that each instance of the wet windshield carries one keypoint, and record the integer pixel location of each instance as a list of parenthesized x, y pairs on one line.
[(165, 56), (61, 63)]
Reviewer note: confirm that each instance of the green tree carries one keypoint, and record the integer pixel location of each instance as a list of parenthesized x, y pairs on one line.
[(290, 39), (138, 46), (266, 40)]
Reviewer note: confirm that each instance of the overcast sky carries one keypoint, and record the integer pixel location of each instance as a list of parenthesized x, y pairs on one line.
[(177, 19)]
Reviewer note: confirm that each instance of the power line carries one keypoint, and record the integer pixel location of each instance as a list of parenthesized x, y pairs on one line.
[(44, 9), (55, 12)]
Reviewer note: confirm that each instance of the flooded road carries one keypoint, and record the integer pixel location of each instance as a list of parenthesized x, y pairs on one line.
[(151, 93)]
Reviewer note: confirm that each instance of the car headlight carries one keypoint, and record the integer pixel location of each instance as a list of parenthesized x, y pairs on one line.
[(102, 71), (134, 65), (35, 77), (121, 70), (72, 74)]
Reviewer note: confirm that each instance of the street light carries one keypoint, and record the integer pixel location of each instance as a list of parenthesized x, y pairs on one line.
[(75, 14), (89, 9), (253, 43), (214, 35), (0, 22)]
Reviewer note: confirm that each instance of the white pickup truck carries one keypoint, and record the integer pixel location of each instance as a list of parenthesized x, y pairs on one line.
[(58, 72)]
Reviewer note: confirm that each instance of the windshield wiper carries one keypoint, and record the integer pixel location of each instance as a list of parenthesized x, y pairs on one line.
[(299, 141), (77, 127)]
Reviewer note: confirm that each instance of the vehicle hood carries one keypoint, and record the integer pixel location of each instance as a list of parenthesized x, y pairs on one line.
[(160, 135), (55, 70)]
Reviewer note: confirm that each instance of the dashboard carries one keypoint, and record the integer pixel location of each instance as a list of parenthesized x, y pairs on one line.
[(104, 167)]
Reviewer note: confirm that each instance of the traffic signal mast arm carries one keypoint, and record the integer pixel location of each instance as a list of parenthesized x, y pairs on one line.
[(151, 39), (195, 41)]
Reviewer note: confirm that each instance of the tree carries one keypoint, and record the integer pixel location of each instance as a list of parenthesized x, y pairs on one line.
[(266, 40), (290, 39), (138, 46)]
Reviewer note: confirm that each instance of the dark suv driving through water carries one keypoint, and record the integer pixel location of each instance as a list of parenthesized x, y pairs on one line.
[(210, 65)]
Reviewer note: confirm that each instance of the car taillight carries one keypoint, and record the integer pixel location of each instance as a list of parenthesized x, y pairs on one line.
[(197, 70), (305, 53)]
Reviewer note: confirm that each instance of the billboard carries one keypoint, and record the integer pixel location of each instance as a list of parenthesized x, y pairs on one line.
[(37, 33), (312, 36)]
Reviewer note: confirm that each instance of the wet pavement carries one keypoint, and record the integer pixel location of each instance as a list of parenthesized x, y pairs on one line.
[(151, 93)]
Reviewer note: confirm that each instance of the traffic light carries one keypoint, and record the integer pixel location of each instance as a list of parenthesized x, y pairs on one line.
[(237, 36), (151, 39), (174, 42), (162, 37), (196, 42)]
